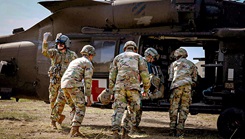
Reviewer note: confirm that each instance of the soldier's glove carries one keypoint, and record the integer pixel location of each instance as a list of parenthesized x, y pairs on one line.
[(46, 35)]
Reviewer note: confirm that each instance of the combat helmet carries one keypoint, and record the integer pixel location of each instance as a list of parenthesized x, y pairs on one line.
[(88, 50), (153, 52), (131, 44), (105, 97), (60, 38), (181, 52)]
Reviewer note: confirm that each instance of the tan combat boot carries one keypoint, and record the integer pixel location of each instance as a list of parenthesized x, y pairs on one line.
[(125, 134), (62, 117), (75, 132), (53, 124), (115, 135)]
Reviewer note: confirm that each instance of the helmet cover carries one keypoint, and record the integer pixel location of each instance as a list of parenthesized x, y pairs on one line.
[(153, 52), (130, 44), (104, 97), (181, 52), (88, 50)]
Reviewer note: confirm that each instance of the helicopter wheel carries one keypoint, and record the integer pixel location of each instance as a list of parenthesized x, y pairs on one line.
[(231, 122), (17, 99)]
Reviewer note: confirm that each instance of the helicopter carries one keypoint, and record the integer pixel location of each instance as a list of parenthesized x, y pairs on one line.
[(216, 26)]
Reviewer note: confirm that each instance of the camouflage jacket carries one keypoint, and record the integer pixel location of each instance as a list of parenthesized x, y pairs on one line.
[(59, 61), (78, 74), (127, 71), (182, 72)]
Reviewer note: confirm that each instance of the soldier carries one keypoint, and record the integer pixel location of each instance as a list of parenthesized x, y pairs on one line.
[(156, 76), (183, 75), (125, 72), (60, 57), (76, 84), (156, 89)]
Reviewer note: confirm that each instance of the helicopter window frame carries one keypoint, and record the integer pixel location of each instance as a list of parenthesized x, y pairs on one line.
[(104, 57)]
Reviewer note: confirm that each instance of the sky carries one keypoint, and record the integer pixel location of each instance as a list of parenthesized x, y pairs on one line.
[(26, 13), (20, 13)]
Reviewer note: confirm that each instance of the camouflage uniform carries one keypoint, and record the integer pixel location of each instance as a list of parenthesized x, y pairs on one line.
[(59, 63), (156, 89), (127, 120), (182, 73), (76, 83), (124, 76)]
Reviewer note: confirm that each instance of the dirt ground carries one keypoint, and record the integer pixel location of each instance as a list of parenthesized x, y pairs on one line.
[(29, 119)]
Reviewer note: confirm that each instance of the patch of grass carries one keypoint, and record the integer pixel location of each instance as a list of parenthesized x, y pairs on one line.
[(30, 119), (26, 100), (6, 135), (95, 133), (16, 116), (98, 110)]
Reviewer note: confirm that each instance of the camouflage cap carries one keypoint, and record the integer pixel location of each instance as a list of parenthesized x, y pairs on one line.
[(105, 97), (181, 52)]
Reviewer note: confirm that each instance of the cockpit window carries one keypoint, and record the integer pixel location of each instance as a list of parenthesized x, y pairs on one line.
[(105, 50)]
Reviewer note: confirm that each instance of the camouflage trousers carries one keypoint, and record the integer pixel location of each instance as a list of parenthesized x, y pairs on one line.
[(78, 99), (60, 104), (54, 90), (123, 99), (127, 123), (180, 100)]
